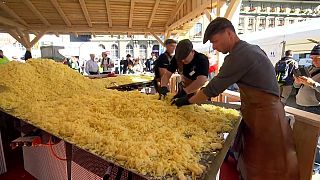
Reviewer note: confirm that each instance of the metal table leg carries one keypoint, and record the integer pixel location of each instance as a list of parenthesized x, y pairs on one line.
[(69, 158)]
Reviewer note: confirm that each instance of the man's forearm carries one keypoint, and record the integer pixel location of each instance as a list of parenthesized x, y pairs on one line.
[(198, 98), (162, 71), (316, 86), (165, 78), (195, 85)]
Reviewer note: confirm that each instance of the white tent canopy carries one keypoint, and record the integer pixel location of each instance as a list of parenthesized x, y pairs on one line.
[(294, 37)]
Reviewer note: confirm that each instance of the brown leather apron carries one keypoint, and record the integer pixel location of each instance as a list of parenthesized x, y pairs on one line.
[(267, 150)]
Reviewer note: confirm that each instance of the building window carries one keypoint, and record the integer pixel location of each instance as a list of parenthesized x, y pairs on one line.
[(242, 7), (198, 30), (281, 22), (143, 51), (291, 21), (251, 21), (271, 22), (252, 8), (262, 22), (273, 9), (241, 22), (263, 8), (292, 9), (114, 51), (102, 46), (129, 49), (282, 9)]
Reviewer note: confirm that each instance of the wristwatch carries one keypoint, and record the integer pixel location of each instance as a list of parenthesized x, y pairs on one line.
[(315, 85)]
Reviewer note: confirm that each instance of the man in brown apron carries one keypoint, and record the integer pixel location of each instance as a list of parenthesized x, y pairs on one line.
[(266, 148)]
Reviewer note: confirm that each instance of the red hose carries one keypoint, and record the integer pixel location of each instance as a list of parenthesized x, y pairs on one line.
[(54, 153)]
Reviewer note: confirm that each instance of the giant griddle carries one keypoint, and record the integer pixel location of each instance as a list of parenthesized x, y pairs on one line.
[(99, 165), (132, 86)]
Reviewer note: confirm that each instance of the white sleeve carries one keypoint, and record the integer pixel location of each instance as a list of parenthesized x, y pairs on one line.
[(87, 67), (317, 87)]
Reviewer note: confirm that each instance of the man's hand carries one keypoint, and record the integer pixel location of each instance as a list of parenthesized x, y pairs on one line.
[(181, 101), (180, 94), (306, 81), (297, 80), (163, 92)]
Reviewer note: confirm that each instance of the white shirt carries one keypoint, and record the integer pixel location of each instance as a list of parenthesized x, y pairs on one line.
[(107, 65), (91, 66)]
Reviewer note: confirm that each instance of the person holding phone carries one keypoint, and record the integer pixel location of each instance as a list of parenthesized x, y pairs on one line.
[(308, 97)]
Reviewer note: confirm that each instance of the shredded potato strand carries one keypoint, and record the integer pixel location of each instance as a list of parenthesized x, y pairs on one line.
[(134, 130), (120, 80)]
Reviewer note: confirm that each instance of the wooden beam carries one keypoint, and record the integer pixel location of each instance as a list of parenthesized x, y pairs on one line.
[(57, 34), (5, 8), (85, 12), (35, 33), (99, 22), (168, 34), (131, 13), (108, 12), (190, 16), (157, 38), (9, 22), (36, 39), (144, 1), (219, 5), (179, 31), (231, 8), (28, 35), (25, 38), (175, 12), (208, 15), (60, 11), (97, 28), (15, 35), (155, 7), (36, 12), (93, 34)]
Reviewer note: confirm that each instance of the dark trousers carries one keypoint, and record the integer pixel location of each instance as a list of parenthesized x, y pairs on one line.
[(93, 73)]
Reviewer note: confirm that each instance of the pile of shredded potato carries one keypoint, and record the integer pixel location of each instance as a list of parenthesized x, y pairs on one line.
[(124, 79), (134, 130)]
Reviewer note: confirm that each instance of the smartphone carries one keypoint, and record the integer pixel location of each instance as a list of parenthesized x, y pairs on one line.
[(301, 71)]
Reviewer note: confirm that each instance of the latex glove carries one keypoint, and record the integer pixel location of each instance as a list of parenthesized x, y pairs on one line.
[(163, 92), (180, 94), (183, 101)]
